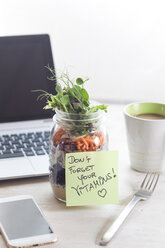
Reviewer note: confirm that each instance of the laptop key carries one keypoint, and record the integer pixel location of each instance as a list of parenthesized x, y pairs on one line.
[(14, 135), (47, 138), (5, 143), (22, 135), (39, 144), (15, 142), (7, 139), (27, 149), (6, 152), (9, 147), (37, 148), (29, 153), (38, 134), (30, 145), (25, 142), (30, 134), (20, 146), (47, 133), (5, 136), (17, 150), (40, 152), (35, 140), (11, 155)]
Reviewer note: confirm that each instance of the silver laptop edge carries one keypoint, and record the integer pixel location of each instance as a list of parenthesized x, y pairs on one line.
[(25, 166)]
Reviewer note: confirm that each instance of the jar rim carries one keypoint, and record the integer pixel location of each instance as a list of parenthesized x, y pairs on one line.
[(66, 116)]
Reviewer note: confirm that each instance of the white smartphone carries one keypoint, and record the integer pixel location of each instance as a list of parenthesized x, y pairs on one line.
[(22, 224)]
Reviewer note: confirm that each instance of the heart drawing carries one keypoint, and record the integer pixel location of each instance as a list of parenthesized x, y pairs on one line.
[(102, 193)]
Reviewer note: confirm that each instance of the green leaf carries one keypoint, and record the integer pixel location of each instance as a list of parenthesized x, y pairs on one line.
[(76, 91), (59, 89), (52, 98), (84, 94), (50, 105), (79, 81), (65, 100), (96, 108)]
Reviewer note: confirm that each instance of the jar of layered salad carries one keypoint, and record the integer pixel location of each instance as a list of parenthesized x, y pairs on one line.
[(72, 133), (79, 125)]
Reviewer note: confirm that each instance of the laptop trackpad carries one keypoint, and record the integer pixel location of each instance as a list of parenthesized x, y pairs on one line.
[(14, 167)]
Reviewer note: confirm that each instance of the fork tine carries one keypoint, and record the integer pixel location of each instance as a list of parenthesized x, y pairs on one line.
[(149, 179), (155, 182), (144, 180), (151, 183)]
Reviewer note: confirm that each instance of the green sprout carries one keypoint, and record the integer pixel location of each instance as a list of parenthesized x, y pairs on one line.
[(72, 98)]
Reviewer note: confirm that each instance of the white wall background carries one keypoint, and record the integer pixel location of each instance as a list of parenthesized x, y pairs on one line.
[(119, 44)]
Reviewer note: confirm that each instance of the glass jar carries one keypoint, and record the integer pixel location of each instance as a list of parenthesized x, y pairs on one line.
[(73, 133)]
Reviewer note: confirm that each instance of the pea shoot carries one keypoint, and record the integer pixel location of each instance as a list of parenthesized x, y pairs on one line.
[(72, 98)]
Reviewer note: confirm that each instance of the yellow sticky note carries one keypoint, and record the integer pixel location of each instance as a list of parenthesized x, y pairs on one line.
[(91, 178)]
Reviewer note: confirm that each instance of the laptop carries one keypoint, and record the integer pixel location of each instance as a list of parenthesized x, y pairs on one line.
[(24, 125)]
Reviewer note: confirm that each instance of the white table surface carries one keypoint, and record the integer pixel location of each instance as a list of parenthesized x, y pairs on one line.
[(80, 227)]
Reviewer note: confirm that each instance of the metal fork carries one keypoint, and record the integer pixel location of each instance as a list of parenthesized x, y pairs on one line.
[(146, 189)]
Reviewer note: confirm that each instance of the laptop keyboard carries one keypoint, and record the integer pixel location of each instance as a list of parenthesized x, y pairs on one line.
[(24, 144)]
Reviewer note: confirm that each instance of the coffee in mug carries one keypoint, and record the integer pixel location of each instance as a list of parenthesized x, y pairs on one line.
[(150, 116)]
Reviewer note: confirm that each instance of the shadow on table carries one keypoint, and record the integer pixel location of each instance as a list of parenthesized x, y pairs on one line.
[(26, 180)]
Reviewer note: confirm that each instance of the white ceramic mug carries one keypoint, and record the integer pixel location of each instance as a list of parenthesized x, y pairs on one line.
[(146, 137)]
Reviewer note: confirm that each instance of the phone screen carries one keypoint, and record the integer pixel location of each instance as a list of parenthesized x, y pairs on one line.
[(22, 219)]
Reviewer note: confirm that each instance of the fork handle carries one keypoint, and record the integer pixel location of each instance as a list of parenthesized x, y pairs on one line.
[(110, 232)]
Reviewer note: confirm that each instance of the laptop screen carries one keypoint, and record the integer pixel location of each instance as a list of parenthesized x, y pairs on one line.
[(22, 70)]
